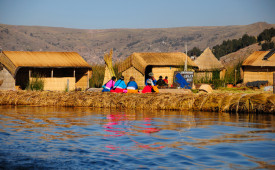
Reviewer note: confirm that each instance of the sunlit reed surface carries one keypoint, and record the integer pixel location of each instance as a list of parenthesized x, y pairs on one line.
[(84, 138)]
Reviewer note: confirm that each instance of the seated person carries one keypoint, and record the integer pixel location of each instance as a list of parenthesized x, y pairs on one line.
[(120, 86), (161, 83), (151, 76), (149, 88), (166, 80), (109, 85), (132, 86)]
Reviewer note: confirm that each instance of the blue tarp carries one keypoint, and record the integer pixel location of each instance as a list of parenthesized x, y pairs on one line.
[(182, 82)]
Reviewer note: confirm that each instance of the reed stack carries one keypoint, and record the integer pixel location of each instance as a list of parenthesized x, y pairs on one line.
[(108, 61), (212, 102)]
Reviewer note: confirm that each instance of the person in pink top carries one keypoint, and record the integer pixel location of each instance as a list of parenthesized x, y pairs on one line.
[(109, 85)]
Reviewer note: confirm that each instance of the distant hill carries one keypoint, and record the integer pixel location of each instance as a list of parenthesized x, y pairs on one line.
[(234, 58), (92, 44)]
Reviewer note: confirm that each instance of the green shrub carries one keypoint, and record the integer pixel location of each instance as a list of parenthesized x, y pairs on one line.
[(36, 83)]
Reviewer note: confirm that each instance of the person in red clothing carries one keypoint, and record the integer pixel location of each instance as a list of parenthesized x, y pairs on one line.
[(149, 88), (166, 80)]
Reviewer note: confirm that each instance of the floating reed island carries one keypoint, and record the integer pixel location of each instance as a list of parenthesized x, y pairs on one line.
[(213, 102)]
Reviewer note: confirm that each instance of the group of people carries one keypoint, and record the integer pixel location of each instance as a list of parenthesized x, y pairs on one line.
[(119, 86)]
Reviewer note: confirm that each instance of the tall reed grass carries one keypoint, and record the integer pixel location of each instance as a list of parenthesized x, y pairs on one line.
[(98, 75), (36, 83)]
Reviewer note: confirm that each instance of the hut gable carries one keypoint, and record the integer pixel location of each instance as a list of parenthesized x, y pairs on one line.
[(14, 60), (141, 60), (258, 59), (208, 62)]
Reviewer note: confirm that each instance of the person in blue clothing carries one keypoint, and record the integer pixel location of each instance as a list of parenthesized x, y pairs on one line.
[(151, 76), (132, 86), (120, 86)]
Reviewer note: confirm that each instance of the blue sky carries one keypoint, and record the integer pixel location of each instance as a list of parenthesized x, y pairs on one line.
[(106, 14)]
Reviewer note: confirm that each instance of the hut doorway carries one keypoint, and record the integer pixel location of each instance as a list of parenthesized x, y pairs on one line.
[(147, 71)]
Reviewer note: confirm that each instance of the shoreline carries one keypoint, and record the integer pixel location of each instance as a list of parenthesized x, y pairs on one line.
[(210, 102)]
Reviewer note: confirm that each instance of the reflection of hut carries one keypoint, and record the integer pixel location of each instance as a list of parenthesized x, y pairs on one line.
[(140, 65), (57, 69), (259, 66), (208, 64)]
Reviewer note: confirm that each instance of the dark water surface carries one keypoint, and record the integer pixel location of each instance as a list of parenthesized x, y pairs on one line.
[(84, 138)]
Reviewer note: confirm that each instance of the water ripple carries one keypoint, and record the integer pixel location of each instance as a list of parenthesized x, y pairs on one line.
[(82, 138)]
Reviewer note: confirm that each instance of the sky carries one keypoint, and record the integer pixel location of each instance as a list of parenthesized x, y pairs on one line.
[(108, 14)]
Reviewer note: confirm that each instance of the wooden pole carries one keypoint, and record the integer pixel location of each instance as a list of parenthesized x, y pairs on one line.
[(235, 77), (273, 83), (88, 84), (52, 73), (30, 74), (74, 72), (68, 84)]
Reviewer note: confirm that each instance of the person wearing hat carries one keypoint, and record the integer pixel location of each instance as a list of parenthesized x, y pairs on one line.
[(132, 86), (161, 83), (119, 86), (109, 85), (149, 88), (151, 76)]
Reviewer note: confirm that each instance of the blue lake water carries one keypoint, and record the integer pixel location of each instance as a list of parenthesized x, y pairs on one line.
[(85, 138)]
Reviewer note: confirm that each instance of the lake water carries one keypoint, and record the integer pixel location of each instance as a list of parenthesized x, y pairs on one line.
[(84, 138)]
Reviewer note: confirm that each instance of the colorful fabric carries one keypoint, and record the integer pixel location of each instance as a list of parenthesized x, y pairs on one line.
[(117, 90), (108, 86), (120, 84), (132, 91), (132, 85), (150, 89), (154, 82)]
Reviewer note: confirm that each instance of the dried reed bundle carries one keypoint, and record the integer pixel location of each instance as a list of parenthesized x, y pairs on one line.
[(244, 103), (259, 102), (212, 103), (109, 63), (227, 102)]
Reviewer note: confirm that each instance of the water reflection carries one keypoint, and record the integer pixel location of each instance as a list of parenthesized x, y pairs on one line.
[(160, 139)]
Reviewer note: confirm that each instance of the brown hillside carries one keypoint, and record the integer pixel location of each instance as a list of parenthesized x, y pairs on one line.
[(92, 44), (240, 55)]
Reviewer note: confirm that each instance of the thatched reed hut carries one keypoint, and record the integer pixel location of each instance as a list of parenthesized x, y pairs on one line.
[(56, 69), (207, 63), (259, 66), (140, 65)]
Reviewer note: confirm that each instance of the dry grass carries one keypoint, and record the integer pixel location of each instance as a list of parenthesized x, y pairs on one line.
[(245, 90), (215, 102)]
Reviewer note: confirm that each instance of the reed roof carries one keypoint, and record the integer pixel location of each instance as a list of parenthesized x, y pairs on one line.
[(257, 59), (13, 60), (208, 62), (141, 60)]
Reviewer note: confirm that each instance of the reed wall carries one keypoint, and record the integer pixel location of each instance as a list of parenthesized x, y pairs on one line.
[(8, 82), (250, 76), (82, 82), (58, 84), (139, 78), (206, 75), (165, 71)]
